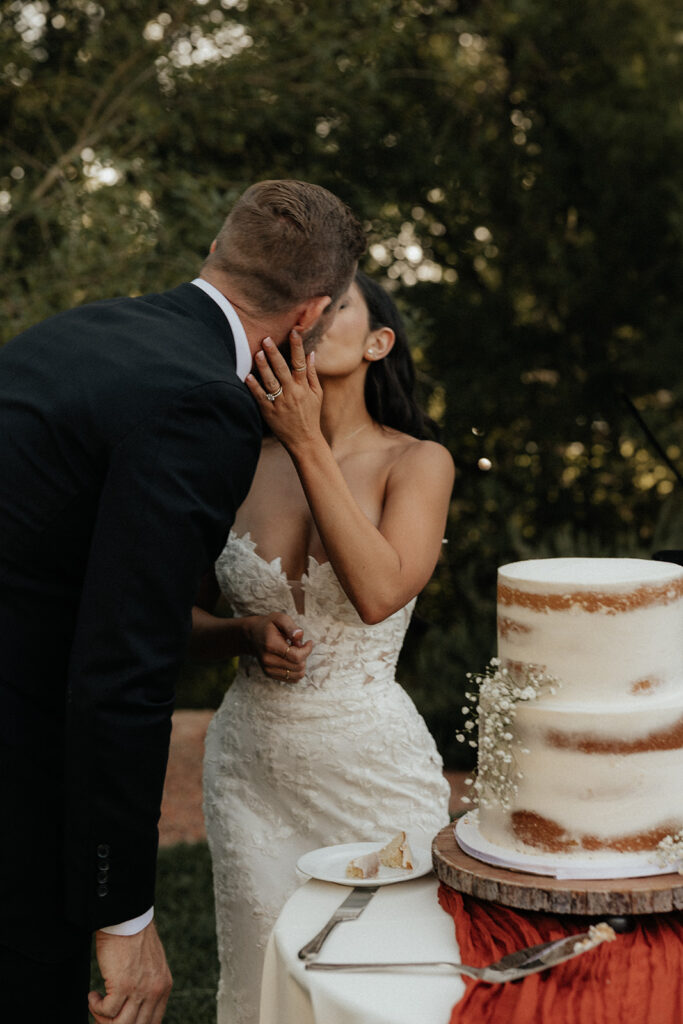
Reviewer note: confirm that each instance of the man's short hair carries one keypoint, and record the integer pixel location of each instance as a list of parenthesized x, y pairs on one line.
[(287, 241)]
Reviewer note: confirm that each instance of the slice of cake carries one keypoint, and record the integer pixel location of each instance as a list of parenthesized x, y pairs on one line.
[(366, 866), (397, 853)]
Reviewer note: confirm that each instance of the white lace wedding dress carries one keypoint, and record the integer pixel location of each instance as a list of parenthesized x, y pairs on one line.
[(341, 756)]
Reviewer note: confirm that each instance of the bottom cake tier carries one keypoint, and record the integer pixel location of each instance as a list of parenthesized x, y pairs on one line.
[(577, 781), (580, 864)]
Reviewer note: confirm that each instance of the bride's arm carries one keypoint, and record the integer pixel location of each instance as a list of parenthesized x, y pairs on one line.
[(380, 567), (275, 640)]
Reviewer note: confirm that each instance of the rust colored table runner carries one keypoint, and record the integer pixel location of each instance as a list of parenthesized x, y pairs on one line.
[(638, 979)]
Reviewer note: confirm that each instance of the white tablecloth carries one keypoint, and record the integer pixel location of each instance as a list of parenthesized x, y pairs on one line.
[(401, 922)]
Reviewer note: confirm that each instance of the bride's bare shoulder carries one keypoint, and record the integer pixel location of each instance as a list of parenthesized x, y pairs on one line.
[(409, 452)]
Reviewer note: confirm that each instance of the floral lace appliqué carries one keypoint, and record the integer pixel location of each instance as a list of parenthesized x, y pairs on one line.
[(341, 640)]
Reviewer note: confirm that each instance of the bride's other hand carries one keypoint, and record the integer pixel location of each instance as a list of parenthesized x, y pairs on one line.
[(293, 411), (278, 644)]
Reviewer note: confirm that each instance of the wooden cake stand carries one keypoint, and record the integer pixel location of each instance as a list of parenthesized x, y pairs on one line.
[(455, 868)]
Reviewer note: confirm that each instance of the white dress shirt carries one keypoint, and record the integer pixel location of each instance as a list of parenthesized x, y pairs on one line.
[(242, 351), (243, 366)]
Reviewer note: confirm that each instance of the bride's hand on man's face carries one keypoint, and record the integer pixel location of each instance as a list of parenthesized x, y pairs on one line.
[(289, 400), (278, 645)]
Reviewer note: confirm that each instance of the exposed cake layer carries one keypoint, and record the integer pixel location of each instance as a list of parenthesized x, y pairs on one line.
[(548, 836), (607, 629), (590, 781)]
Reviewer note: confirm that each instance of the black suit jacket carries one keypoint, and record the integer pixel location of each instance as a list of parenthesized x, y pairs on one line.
[(126, 444)]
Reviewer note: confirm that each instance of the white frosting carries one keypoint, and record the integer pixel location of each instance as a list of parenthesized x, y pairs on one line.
[(601, 795), (365, 866), (619, 664), (551, 574), (600, 658)]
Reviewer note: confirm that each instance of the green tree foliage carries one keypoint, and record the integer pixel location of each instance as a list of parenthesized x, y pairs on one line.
[(517, 163)]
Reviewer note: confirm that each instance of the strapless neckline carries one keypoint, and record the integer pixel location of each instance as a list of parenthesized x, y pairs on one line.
[(276, 563), (344, 647), (316, 573)]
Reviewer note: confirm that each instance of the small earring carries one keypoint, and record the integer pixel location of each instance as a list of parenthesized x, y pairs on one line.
[(370, 352)]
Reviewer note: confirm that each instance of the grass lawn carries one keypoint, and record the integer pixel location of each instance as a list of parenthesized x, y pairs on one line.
[(184, 917)]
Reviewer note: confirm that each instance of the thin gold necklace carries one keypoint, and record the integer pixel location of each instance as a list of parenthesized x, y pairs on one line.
[(356, 431)]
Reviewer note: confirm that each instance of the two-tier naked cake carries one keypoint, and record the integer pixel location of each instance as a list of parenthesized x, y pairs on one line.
[(581, 725)]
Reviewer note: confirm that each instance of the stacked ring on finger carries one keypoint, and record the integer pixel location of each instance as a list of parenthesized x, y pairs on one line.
[(272, 395), (299, 369)]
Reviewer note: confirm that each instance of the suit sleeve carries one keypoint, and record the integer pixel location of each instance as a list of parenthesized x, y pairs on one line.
[(169, 497)]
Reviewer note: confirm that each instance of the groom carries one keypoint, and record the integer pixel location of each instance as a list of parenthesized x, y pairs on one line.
[(127, 441)]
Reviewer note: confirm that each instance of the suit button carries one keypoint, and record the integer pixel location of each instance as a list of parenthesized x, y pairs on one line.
[(103, 850), (102, 876), (102, 890)]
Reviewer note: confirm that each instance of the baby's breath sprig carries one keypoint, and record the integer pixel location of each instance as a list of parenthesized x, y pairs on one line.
[(670, 852), (490, 714)]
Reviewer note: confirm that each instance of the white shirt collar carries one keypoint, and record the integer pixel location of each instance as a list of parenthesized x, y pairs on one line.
[(242, 351)]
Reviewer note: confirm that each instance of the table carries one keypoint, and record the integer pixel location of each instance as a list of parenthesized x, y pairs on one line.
[(402, 922)]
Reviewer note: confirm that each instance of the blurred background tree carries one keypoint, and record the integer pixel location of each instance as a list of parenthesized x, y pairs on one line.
[(518, 167)]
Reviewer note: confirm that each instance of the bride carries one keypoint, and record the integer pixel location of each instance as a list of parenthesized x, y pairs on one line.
[(315, 742)]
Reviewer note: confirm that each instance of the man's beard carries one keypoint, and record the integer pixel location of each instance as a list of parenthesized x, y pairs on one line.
[(312, 336)]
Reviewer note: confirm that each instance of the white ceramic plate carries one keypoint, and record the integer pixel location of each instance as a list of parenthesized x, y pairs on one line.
[(328, 864)]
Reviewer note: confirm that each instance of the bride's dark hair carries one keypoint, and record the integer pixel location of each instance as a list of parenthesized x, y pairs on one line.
[(390, 382)]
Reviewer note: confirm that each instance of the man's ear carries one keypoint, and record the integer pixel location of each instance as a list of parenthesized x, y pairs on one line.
[(310, 311), (212, 247), (379, 344)]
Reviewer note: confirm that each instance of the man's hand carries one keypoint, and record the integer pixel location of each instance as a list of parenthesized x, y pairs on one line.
[(278, 644), (137, 980)]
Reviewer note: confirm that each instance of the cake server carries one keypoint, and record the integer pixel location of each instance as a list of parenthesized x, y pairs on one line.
[(352, 907), (510, 968)]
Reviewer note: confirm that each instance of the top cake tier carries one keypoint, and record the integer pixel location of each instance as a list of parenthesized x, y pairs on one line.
[(607, 628)]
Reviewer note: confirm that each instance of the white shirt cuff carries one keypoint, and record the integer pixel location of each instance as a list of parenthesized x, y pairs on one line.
[(131, 927)]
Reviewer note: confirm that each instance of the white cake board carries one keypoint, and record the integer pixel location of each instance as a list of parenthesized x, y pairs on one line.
[(570, 865)]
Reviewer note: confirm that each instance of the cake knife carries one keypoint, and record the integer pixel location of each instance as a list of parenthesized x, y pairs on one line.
[(352, 907)]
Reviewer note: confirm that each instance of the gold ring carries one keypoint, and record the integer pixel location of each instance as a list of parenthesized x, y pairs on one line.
[(286, 675), (272, 395)]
